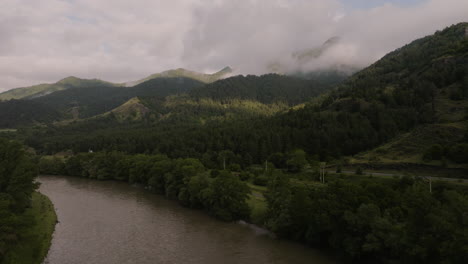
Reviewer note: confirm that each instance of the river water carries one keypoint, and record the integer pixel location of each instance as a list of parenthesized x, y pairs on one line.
[(113, 222)]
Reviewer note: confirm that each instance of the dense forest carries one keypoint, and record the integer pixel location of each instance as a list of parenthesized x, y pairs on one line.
[(17, 183), (18, 113)]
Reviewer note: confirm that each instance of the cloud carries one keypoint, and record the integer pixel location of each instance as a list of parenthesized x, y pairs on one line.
[(121, 40)]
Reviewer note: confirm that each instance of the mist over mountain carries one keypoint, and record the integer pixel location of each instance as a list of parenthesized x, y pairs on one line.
[(42, 43)]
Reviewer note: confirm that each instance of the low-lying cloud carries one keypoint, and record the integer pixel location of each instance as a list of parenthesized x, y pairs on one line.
[(120, 40)]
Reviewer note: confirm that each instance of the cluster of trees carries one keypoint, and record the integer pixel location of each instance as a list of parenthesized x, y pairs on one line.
[(372, 221), (17, 174), (221, 194), (457, 153)]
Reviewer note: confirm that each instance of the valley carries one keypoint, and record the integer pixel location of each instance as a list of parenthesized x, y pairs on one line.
[(369, 168)]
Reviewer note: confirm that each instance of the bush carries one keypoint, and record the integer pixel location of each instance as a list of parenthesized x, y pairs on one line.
[(338, 169), (261, 180), (359, 171), (459, 153), (434, 152)]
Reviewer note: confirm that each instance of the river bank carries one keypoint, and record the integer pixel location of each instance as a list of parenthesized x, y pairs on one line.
[(35, 239)]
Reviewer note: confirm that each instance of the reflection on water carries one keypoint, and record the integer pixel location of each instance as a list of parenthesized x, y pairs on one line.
[(113, 222)]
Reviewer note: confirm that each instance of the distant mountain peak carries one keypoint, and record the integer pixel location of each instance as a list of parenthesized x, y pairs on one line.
[(68, 80), (226, 69), (184, 73)]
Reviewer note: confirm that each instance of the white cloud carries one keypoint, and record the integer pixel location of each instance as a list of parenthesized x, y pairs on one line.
[(121, 40)]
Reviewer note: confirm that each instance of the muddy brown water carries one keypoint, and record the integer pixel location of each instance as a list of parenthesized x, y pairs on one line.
[(114, 222)]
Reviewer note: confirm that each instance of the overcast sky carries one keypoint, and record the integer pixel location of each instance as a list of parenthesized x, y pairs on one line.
[(122, 40)]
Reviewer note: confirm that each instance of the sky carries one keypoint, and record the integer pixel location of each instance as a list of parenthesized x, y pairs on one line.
[(43, 41)]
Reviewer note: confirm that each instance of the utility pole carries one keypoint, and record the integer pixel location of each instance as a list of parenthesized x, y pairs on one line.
[(429, 179), (430, 185), (266, 165), (322, 171), (224, 163)]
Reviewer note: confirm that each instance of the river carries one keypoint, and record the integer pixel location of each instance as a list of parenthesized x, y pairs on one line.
[(114, 222)]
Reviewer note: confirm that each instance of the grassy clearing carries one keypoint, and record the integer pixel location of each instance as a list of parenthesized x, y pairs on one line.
[(36, 238), (257, 188), (258, 209), (7, 130)]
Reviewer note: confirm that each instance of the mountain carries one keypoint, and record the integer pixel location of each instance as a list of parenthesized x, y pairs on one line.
[(132, 110), (39, 90), (183, 73), (85, 102), (45, 89), (300, 64), (417, 87)]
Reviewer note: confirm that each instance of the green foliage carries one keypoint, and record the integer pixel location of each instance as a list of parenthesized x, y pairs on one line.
[(359, 171), (459, 153), (227, 198), (17, 113), (297, 160), (94, 100), (223, 195), (266, 89), (36, 236), (44, 89), (435, 152), (186, 74), (372, 221), (17, 174)]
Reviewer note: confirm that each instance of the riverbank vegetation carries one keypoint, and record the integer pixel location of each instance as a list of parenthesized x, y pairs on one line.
[(362, 219), (36, 238), (27, 218)]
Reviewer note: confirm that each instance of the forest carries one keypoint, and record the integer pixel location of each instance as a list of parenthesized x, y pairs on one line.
[(17, 184)]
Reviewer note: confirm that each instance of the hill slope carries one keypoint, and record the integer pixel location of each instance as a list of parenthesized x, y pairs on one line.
[(183, 73), (266, 89), (16, 113), (45, 89), (90, 101)]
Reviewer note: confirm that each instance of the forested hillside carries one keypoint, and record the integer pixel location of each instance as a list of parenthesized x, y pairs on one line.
[(183, 73), (17, 113), (45, 89), (405, 89), (264, 89), (89, 101)]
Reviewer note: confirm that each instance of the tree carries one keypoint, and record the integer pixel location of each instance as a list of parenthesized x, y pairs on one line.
[(297, 160), (227, 198), (17, 183)]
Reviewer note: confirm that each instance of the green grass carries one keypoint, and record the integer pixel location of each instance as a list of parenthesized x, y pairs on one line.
[(258, 207), (7, 130), (35, 239), (257, 188)]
